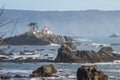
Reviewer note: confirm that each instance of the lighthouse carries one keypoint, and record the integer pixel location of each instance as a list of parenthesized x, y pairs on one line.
[(46, 30)]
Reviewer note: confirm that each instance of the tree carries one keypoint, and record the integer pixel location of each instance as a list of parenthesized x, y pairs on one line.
[(33, 25)]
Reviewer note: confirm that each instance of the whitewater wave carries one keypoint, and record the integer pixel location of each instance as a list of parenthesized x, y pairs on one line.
[(83, 40), (114, 78), (52, 44), (100, 63), (15, 71), (3, 56), (117, 71), (116, 52), (100, 45)]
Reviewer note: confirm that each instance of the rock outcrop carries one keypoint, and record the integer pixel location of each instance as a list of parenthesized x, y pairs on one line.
[(40, 38), (106, 49), (68, 55), (44, 71), (5, 77), (115, 35), (90, 73)]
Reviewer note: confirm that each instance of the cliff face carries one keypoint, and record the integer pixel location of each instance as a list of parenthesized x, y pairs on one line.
[(68, 55), (29, 38)]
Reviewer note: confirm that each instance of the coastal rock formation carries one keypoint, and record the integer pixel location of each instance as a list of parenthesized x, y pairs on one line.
[(44, 71), (68, 55), (90, 73), (5, 77), (106, 49), (115, 35), (39, 38)]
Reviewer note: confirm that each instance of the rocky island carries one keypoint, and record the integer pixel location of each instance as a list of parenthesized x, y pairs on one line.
[(35, 37), (115, 35)]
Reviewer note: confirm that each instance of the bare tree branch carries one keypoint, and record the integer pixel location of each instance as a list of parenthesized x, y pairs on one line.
[(1, 10), (3, 21)]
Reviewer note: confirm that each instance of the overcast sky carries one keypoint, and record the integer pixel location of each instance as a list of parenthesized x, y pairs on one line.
[(61, 5)]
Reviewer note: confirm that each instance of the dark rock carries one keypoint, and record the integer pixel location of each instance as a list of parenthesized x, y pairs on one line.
[(115, 44), (1, 52), (19, 58), (29, 38), (29, 59), (67, 54), (3, 58), (18, 76), (106, 49), (115, 35), (44, 71), (52, 50), (11, 53), (90, 73), (22, 53), (50, 58), (46, 55), (40, 50), (72, 45), (5, 77), (64, 54)]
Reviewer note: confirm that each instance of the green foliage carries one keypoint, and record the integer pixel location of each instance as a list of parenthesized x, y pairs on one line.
[(33, 25)]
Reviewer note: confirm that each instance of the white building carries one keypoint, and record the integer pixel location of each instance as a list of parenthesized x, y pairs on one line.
[(46, 30)]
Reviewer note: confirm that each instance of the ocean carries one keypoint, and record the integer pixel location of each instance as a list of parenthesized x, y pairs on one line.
[(66, 71)]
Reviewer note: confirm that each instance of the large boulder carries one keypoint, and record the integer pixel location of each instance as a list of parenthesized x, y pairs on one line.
[(67, 54), (90, 73), (44, 71)]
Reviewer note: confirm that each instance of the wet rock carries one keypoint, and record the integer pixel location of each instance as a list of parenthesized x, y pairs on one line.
[(11, 53), (18, 76), (29, 38), (44, 71), (52, 50), (106, 49), (40, 50), (67, 54), (115, 35), (19, 58), (1, 52), (3, 58), (72, 45), (46, 55), (90, 73), (29, 59), (50, 58), (5, 77)]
